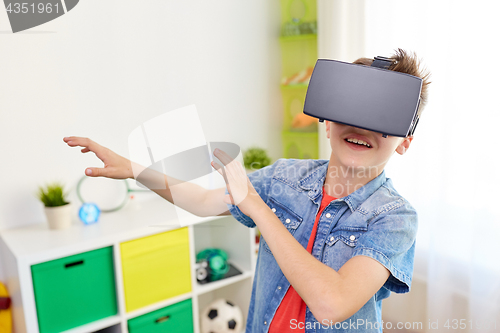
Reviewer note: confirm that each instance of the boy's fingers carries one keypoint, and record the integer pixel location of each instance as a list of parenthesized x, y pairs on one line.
[(72, 140), (231, 166), (86, 142), (220, 170), (76, 142), (88, 145), (96, 172), (217, 167), (79, 141), (222, 156)]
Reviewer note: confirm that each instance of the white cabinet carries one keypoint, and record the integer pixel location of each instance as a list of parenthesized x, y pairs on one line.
[(21, 248)]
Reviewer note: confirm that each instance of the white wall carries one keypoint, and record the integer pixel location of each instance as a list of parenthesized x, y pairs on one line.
[(107, 66)]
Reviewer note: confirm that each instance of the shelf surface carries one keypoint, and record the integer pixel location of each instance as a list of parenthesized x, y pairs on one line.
[(207, 287), (36, 243), (298, 37), (95, 325)]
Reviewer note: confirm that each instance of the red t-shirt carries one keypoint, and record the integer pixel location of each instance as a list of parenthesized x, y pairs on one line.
[(292, 306)]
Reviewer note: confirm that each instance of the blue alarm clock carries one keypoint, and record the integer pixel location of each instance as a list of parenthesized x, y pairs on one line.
[(89, 213)]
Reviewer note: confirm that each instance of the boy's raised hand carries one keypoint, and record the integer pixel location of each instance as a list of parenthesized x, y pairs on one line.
[(241, 191), (115, 166)]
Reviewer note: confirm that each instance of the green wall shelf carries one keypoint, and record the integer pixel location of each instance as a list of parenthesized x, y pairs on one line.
[(302, 145), (294, 38), (299, 50)]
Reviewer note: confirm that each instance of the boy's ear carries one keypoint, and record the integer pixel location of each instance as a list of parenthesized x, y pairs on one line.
[(404, 145), (327, 124)]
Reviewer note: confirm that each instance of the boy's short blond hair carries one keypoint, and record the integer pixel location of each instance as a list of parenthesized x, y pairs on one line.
[(408, 63)]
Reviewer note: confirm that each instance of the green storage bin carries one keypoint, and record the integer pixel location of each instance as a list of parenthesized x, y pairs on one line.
[(74, 290), (176, 318)]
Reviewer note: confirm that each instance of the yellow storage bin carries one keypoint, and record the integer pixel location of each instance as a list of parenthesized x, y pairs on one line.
[(155, 268)]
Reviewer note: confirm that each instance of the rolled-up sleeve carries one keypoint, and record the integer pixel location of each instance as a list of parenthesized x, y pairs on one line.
[(390, 239), (261, 181)]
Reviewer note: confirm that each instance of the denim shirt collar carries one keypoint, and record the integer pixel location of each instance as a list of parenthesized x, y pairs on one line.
[(314, 180)]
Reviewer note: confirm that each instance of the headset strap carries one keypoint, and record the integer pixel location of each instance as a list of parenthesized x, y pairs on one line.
[(382, 62)]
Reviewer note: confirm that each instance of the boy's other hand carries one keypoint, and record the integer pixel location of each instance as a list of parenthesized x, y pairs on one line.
[(115, 166), (240, 189)]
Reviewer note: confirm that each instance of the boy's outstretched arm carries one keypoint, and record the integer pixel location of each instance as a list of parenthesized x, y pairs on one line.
[(190, 197), (331, 295)]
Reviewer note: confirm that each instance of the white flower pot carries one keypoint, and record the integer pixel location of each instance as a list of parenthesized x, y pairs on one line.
[(59, 217)]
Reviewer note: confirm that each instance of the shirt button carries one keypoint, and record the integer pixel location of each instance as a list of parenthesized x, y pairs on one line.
[(328, 215), (274, 210), (352, 237), (287, 220), (279, 287), (265, 323), (331, 238)]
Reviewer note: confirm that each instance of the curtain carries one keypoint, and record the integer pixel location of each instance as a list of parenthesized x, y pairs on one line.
[(450, 173)]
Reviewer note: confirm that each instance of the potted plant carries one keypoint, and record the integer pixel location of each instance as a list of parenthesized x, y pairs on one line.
[(57, 208), (255, 158)]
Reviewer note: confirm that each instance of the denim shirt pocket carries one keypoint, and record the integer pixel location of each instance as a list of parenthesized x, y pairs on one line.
[(340, 244), (289, 218)]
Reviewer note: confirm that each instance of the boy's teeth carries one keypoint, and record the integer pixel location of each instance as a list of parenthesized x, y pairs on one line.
[(359, 142)]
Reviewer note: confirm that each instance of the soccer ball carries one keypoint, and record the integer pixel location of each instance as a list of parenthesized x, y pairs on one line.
[(221, 316)]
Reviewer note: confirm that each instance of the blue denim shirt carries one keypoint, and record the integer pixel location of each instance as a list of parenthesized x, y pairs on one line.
[(373, 221)]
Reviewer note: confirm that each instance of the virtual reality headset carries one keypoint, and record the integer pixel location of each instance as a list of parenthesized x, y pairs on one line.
[(369, 97)]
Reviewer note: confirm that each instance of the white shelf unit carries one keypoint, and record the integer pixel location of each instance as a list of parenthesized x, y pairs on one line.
[(20, 248)]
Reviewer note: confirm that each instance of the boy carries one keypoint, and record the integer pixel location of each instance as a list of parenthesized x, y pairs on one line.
[(336, 236)]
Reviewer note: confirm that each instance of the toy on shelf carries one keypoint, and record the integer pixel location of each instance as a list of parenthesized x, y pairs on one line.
[(257, 239), (298, 17), (301, 77), (302, 120), (89, 213), (294, 119), (202, 271), (257, 235), (221, 316), (5, 310), (294, 29), (212, 265)]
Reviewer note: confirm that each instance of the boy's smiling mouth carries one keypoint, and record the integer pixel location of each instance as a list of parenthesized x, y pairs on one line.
[(357, 142)]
